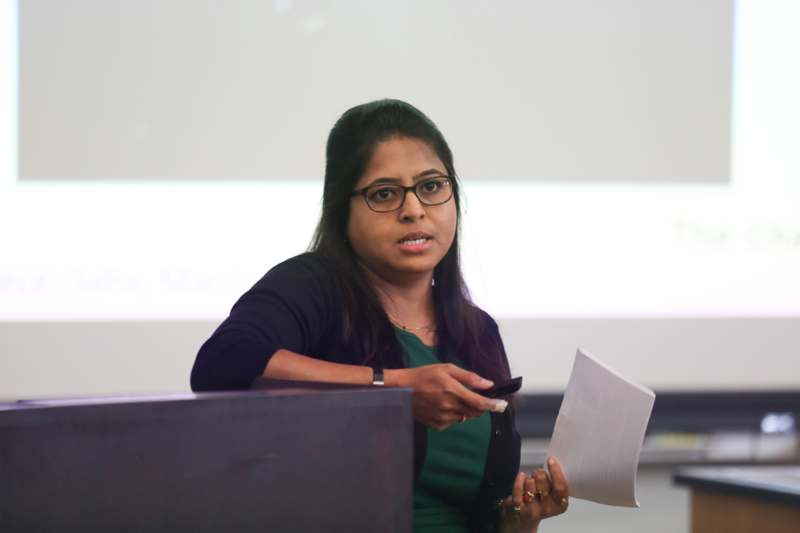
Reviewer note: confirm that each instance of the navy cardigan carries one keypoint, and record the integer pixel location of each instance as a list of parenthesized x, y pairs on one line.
[(295, 306)]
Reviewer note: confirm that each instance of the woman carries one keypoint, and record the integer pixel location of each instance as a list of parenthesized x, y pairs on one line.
[(380, 296)]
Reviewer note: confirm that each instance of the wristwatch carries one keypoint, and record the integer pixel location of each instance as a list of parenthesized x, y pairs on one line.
[(377, 377)]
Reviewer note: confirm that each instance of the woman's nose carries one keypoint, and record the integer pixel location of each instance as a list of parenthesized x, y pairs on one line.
[(412, 208)]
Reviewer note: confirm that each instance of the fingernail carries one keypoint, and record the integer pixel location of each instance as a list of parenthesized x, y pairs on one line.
[(487, 382), (499, 406), (551, 462)]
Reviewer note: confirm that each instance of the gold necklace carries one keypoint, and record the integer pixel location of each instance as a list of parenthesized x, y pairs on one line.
[(430, 327)]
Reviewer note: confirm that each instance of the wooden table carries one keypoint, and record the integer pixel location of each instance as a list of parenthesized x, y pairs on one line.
[(743, 499)]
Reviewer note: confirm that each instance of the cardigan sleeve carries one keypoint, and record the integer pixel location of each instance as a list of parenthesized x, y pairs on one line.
[(289, 308)]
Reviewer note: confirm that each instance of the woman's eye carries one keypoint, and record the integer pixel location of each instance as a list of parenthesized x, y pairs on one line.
[(431, 186), (382, 195)]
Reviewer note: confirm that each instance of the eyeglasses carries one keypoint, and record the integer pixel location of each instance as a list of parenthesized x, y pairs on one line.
[(383, 197)]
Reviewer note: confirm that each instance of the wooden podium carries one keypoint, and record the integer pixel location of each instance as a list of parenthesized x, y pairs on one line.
[(743, 499), (294, 458)]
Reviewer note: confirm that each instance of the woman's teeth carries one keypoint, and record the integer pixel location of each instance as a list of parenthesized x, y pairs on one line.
[(415, 241)]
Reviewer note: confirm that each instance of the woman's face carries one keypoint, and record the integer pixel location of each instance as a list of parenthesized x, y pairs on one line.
[(381, 240)]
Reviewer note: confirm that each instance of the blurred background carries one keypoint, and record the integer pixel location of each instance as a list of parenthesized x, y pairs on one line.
[(630, 167)]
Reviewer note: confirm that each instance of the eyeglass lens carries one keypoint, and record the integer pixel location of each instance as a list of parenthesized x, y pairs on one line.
[(431, 191)]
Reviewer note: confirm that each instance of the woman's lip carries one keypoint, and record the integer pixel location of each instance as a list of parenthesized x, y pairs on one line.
[(414, 236), (415, 248)]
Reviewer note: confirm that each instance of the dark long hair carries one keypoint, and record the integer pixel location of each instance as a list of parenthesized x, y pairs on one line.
[(463, 333)]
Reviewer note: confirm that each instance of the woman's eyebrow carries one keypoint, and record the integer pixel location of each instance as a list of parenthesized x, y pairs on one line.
[(423, 174)]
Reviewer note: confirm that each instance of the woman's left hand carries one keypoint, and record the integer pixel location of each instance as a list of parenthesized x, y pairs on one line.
[(534, 498)]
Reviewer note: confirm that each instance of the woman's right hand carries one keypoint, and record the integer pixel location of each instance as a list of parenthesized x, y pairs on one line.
[(441, 396)]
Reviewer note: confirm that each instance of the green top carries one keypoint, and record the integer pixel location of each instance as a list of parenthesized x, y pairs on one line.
[(454, 459)]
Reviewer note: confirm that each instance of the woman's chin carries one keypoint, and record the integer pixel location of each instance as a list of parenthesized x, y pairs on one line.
[(415, 266)]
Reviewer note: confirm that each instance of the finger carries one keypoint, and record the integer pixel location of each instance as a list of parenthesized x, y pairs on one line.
[(533, 508), (542, 483), (507, 508), (559, 479), (477, 402), (469, 412), (507, 502), (545, 504), (529, 490), (516, 491), (470, 379), (459, 418), (439, 426), (447, 419)]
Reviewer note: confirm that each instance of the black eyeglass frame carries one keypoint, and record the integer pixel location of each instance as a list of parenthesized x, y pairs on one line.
[(363, 192)]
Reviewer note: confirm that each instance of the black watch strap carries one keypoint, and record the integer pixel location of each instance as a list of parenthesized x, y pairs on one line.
[(377, 377)]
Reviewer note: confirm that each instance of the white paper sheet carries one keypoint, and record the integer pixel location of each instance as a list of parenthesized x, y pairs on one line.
[(599, 432)]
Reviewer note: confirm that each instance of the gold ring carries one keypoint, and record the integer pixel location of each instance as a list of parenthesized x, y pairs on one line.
[(528, 496)]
